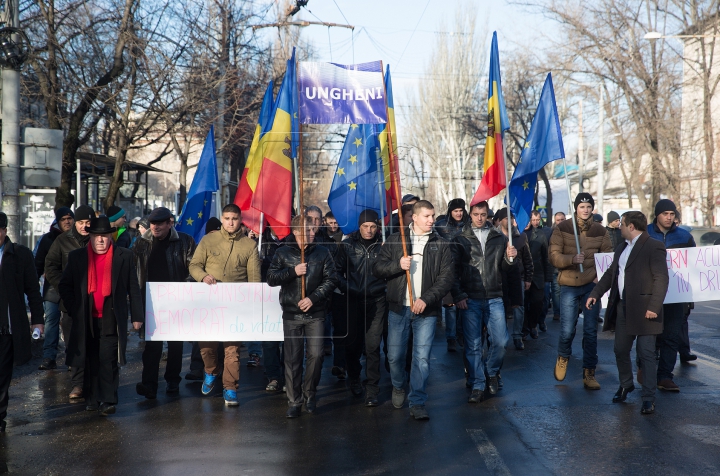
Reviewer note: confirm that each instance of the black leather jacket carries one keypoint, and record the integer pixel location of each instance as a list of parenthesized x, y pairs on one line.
[(354, 263), (320, 280), (479, 275), (179, 254), (437, 274), (448, 228)]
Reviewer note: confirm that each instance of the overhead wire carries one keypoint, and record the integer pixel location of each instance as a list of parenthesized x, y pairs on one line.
[(413, 33)]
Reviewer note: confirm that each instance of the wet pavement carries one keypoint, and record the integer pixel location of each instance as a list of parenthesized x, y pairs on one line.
[(535, 425)]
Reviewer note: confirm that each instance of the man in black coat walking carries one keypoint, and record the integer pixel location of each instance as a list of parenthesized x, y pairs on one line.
[(430, 266), (637, 281), (18, 279), (95, 288), (535, 310), (64, 221), (303, 317)]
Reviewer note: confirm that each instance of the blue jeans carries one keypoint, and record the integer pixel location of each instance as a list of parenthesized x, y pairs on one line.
[(255, 348), (450, 322), (571, 298), (423, 329), (481, 313), (52, 329)]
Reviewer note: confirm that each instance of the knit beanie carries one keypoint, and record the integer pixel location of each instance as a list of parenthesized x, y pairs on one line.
[(368, 216), (63, 212), (584, 197), (114, 213), (612, 216), (84, 212), (664, 205)]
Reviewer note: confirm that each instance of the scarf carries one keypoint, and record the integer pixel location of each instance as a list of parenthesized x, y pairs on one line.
[(107, 273), (584, 225)]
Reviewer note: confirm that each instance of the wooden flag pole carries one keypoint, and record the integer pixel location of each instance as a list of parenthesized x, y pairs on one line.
[(396, 188), (301, 203)]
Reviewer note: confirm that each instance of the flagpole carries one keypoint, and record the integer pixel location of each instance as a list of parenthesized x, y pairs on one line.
[(381, 184), (396, 190), (260, 229), (507, 194), (572, 214), (301, 207)]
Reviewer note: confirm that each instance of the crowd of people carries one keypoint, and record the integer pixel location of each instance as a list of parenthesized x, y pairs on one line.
[(364, 294)]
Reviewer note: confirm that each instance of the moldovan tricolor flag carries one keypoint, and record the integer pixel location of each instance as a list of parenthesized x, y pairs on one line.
[(494, 167), (390, 199), (273, 192), (249, 179)]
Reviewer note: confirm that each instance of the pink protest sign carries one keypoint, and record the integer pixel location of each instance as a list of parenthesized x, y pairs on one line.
[(224, 312)]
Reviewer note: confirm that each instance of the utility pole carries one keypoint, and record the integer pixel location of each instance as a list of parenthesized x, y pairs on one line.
[(10, 161), (581, 151), (601, 155)]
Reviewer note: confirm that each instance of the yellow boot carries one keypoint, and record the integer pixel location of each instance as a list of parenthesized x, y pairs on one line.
[(589, 379), (561, 367)]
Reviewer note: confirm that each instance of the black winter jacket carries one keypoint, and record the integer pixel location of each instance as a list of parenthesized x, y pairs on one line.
[(448, 228), (57, 257), (537, 241), (438, 274), (178, 256), (478, 274), (354, 262), (320, 280), (49, 293), (615, 236)]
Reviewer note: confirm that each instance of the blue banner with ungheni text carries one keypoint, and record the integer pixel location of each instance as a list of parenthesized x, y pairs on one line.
[(333, 93)]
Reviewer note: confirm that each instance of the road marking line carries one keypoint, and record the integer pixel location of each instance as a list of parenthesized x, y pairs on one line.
[(707, 360), (712, 307), (490, 454)]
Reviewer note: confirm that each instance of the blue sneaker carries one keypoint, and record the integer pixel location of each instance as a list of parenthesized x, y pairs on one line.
[(208, 383), (230, 398)]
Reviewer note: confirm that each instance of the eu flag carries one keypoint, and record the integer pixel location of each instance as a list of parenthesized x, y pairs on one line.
[(196, 211), (358, 184), (543, 145)]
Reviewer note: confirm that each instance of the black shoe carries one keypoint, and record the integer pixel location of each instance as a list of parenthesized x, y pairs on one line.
[(172, 388), (50, 364), (452, 345), (3, 424), (600, 320), (647, 408), (493, 386), (687, 357), (310, 405), (141, 389), (534, 333), (293, 412), (500, 384), (91, 407), (194, 375), (518, 344), (339, 372), (543, 327), (106, 409), (371, 401), (622, 393), (476, 396), (356, 387)]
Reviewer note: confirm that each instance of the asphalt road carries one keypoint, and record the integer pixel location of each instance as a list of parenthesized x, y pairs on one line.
[(535, 425)]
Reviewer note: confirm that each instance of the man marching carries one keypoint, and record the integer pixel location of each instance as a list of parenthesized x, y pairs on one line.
[(95, 288), (637, 281)]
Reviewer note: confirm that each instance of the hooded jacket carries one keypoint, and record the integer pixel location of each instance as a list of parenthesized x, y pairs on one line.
[(320, 280), (438, 275)]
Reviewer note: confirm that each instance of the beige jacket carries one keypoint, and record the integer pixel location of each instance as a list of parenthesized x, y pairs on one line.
[(562, 249), (228, 258)]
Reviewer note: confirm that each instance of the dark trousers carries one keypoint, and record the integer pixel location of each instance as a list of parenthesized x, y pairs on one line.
[(77, 374), (684, 347), (645, 351), (669, 340), (102, 375), (7, 359), (272, 360), (151, 363), (366, 320), (197, 366), (340, 328), (297, 331), (535, 310)]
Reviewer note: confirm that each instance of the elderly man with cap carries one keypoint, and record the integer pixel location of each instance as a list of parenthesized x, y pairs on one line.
[(18, 279), (64, 221), (97, 286), (123, 235), (675, 315), (576, 285), (613, 229), (55, 263), (365, 313), (162, 254)]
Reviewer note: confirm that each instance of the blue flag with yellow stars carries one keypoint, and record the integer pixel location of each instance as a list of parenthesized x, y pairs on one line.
[(197, 208), (358, 183), (543, 145)]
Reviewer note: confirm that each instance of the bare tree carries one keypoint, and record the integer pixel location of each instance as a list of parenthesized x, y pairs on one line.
[(446, 100)]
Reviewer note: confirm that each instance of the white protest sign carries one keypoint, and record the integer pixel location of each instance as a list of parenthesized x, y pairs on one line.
[(694, 273), (223, 312)]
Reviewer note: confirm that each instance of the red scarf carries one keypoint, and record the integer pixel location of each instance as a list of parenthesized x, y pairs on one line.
[(104, 280)]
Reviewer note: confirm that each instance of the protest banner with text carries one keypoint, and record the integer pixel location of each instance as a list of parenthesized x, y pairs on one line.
[(694, 273), (223, 312)]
